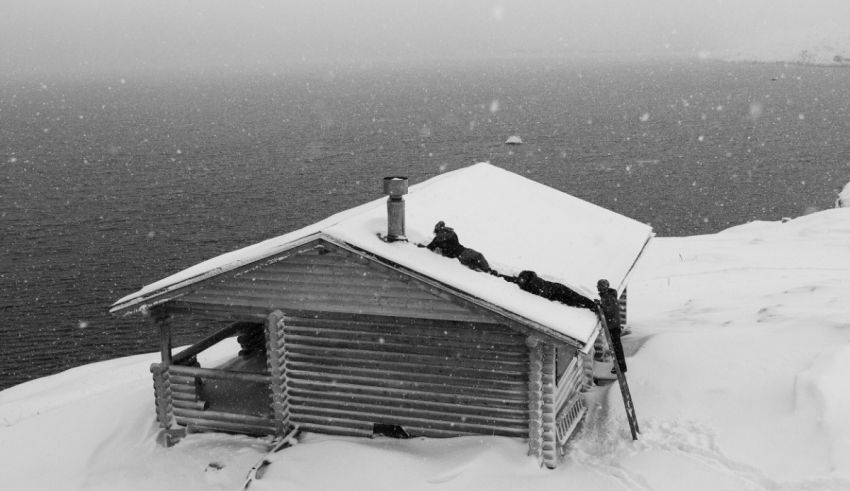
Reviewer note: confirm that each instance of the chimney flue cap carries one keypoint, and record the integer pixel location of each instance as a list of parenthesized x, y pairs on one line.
[(395, 186)]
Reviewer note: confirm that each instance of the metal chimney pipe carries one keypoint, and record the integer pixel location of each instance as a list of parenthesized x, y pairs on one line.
[(395, 187)]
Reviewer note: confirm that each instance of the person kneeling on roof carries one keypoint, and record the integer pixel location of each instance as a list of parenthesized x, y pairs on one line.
[(446, 243), (530, 282)]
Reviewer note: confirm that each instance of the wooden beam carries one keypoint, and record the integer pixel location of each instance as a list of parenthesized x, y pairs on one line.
[(209, 373), (207, 342)]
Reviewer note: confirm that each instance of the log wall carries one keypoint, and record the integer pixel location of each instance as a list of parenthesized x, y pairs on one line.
[(432, 378)]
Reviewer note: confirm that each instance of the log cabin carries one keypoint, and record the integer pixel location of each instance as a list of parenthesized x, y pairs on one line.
[(347, 327)]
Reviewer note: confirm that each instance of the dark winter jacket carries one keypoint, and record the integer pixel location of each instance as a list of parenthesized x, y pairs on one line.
[(530, 282), (446, 243), (611, 308)]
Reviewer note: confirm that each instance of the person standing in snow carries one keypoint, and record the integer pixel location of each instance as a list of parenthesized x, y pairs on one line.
[(447, 244), (530, 282), (610, 304)]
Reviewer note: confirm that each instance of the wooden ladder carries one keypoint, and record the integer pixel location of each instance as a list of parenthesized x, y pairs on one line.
[(621, 378)]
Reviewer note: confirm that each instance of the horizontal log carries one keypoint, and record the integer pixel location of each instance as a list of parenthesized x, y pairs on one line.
[(184, 389), (258, 305), (224, 426), (442, 375), (518, 365), (335, 430), (340, 391), (324, 294), (208, 373), (300, 377), (337, 282), (493, 410), (337, 363), (217, 311), (184, 395), (413, 328), (434, 412), (182, 379), (223, 416), (344, 320), (197, 405), (224, 310), (407, 344), (307, 274), (322, 416), (389, 344), (514, 347)]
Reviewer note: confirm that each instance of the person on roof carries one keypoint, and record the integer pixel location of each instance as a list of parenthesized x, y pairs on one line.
[(609, 301), (447, 244), (530, 282)]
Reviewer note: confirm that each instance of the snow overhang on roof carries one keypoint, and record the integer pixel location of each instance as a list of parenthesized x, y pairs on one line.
[(517, 223)]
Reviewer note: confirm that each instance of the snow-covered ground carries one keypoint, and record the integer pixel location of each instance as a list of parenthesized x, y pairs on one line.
[(738, 365)]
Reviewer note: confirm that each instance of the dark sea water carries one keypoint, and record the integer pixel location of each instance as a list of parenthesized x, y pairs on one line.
[(108, 185)]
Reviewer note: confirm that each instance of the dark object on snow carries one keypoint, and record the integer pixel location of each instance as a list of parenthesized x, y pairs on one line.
[(392, 431), (610, 303), (530, 282), (446, 243)]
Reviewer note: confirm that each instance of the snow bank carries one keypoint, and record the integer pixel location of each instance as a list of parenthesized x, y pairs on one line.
[(738, 367), (843, 200)]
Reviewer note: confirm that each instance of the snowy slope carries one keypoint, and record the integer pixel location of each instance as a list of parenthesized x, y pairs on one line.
[(738, 366)]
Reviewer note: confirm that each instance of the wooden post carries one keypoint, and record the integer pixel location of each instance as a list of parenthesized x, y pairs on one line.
[(535, 394), (276, 359), (162, 381), (549, 436), (162, 320)]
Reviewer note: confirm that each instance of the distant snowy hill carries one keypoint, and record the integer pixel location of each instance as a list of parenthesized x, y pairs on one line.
[(822, 45)]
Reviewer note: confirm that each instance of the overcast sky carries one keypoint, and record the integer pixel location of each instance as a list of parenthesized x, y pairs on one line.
[(95, 36)]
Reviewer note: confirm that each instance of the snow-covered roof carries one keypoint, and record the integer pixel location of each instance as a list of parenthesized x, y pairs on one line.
[(518, 224)]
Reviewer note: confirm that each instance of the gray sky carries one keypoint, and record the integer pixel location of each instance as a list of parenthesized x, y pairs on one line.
[(116, 36)]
